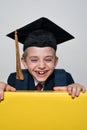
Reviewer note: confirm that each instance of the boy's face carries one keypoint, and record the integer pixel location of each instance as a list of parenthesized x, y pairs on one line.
[(40, 62)]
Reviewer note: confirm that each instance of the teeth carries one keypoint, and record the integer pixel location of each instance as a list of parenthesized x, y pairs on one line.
[(41, 72)]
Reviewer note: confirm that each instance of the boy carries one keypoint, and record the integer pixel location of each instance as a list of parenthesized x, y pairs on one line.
[(40, 39)]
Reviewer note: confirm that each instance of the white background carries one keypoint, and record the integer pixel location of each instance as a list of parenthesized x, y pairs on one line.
[(68, 14)]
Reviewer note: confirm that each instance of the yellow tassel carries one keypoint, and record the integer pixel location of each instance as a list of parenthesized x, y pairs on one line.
[(19, 74)]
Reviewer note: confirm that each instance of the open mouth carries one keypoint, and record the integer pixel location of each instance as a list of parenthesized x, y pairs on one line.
[(41, 76), (41, 72)]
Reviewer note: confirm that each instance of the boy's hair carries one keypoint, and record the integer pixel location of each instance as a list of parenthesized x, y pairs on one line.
[(40, 38)]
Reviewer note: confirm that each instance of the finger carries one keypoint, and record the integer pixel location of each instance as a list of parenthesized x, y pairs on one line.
[(1, 95), (74, 90), (69, 89), (60, 88), (83, 89), (9, 88), (77, 91), (2, 86)]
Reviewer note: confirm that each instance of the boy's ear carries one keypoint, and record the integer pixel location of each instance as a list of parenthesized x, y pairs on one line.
[(56, 61), (24, 63)]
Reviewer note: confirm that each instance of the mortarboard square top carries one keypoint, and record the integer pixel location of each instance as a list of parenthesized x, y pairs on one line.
[(40, 33)]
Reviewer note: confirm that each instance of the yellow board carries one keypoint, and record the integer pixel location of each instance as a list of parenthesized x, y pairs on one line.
[(43, 111)]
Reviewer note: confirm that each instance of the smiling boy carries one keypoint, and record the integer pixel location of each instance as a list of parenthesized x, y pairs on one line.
[(40, 39)]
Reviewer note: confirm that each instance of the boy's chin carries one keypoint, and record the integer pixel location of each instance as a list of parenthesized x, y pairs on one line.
[(41, 80)]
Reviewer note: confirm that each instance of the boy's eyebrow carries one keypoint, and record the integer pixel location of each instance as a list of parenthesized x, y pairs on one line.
[(33, 57), (49, 56)]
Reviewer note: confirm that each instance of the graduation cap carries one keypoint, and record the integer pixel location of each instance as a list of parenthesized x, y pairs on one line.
[(40, 33)]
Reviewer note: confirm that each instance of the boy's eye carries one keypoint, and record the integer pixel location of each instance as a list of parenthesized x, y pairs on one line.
[(34, 60), (48, 60)]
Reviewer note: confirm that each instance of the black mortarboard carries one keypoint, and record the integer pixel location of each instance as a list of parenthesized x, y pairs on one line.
[(40, 33), (24, 33)]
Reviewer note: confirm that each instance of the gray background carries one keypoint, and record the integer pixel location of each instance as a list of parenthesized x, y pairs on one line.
[(68, 14)]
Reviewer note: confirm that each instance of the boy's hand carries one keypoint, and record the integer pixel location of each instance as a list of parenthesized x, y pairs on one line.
[(5, 87), (72, 89)]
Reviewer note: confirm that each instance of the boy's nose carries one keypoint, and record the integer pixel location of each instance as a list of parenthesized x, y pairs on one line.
[(41, 64)]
